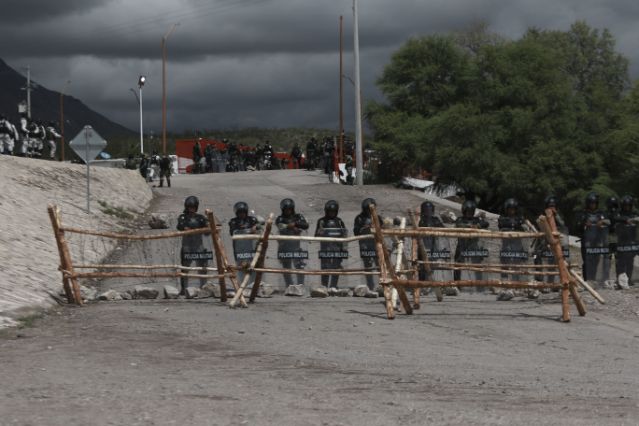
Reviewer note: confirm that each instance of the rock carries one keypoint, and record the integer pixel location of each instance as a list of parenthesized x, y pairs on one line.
[(343, 292), (450, 291), (266, 290), (192, 292), (360, 291), (158, 221), (208, 290), (319, 292), (370, 295), (622, 281), (533, 294), (505, 295), (171, 292), (294, 290), (110, 295), (125, 295), (143, 292), (88, 293)]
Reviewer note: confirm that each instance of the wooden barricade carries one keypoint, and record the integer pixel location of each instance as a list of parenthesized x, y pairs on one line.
[(388, 278), (70, 276)]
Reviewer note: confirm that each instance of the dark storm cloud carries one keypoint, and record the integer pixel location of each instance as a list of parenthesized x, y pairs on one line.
[(19, 12), (255, 62)]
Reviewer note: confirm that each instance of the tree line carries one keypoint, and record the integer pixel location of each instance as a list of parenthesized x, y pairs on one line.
[(550, 112)]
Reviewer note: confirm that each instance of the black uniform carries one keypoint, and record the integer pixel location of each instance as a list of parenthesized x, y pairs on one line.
[(331, 252), (286, 249), (362, 226), (165, 171), (593, 228), (311, 149), (512, 250), (430, 243), (192, 244), (627, 244), (466, 245)]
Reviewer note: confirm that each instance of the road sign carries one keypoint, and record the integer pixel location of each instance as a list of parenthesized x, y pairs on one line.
[(88, 144)]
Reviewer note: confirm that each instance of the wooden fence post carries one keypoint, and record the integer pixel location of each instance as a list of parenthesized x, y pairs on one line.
[(561, 263), (386, 269), (70, 283), (261, 256), (563, 275), (221, 267)]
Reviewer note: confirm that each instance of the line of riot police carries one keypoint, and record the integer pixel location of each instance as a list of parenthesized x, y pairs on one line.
[(28, 138), (597, 248)]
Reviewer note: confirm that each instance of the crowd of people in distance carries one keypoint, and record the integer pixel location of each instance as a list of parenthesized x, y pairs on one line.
[(618, 224), (28, 138), (237, 157)]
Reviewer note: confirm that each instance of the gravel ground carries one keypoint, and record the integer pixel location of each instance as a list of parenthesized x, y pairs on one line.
[(296, 361)]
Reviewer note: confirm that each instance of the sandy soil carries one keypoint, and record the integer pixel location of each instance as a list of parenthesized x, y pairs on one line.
[(28, 275), (291, 361)]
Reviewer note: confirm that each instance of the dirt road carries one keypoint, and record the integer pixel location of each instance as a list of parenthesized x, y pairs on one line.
[(296, 361)]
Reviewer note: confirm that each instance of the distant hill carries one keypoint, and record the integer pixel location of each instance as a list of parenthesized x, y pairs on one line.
[(45, 106)]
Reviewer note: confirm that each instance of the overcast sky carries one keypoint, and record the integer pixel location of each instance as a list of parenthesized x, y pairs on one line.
[(268, 63)]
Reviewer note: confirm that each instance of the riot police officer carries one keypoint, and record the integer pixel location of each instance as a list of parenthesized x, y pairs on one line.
[(311, 148), (192, 245), (512, 250), (362, 226), (593, 227), (165, 170), (243, 250), (52, 136), (468, 249), (612, 212), (625, 224), (6, 136), (427, 219), (290, 253), (331, 253)]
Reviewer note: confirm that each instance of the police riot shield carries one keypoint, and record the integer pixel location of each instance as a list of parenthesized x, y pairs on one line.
[(470, 250), (291, 250), (243, 250), (367, 247), (512, 253), (627, 247), (332, 250), (595, 242), (438, 251)]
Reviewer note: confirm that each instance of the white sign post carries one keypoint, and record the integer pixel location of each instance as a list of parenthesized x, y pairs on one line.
[(88, 144)]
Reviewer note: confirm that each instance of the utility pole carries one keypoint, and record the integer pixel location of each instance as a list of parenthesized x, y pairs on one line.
[(341, 92), (164, 55), (359, 154), (28, 89), (64, 89)]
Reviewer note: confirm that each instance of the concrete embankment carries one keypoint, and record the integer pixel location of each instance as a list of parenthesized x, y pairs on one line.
[(29, 257)]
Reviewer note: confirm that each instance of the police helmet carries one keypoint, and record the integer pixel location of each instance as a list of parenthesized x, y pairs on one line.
[(287, 203), (469, 207), (191, 201), (627, 201), (427, 208), (550, 201), (612, 203), (331, 206), (366, 204), (240, 206), (592, 198), (511, 203)]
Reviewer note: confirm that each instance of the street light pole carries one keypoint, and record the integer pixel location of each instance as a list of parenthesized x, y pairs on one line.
[(164, 39), (141, 82), (359, 159), (64, 89)]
